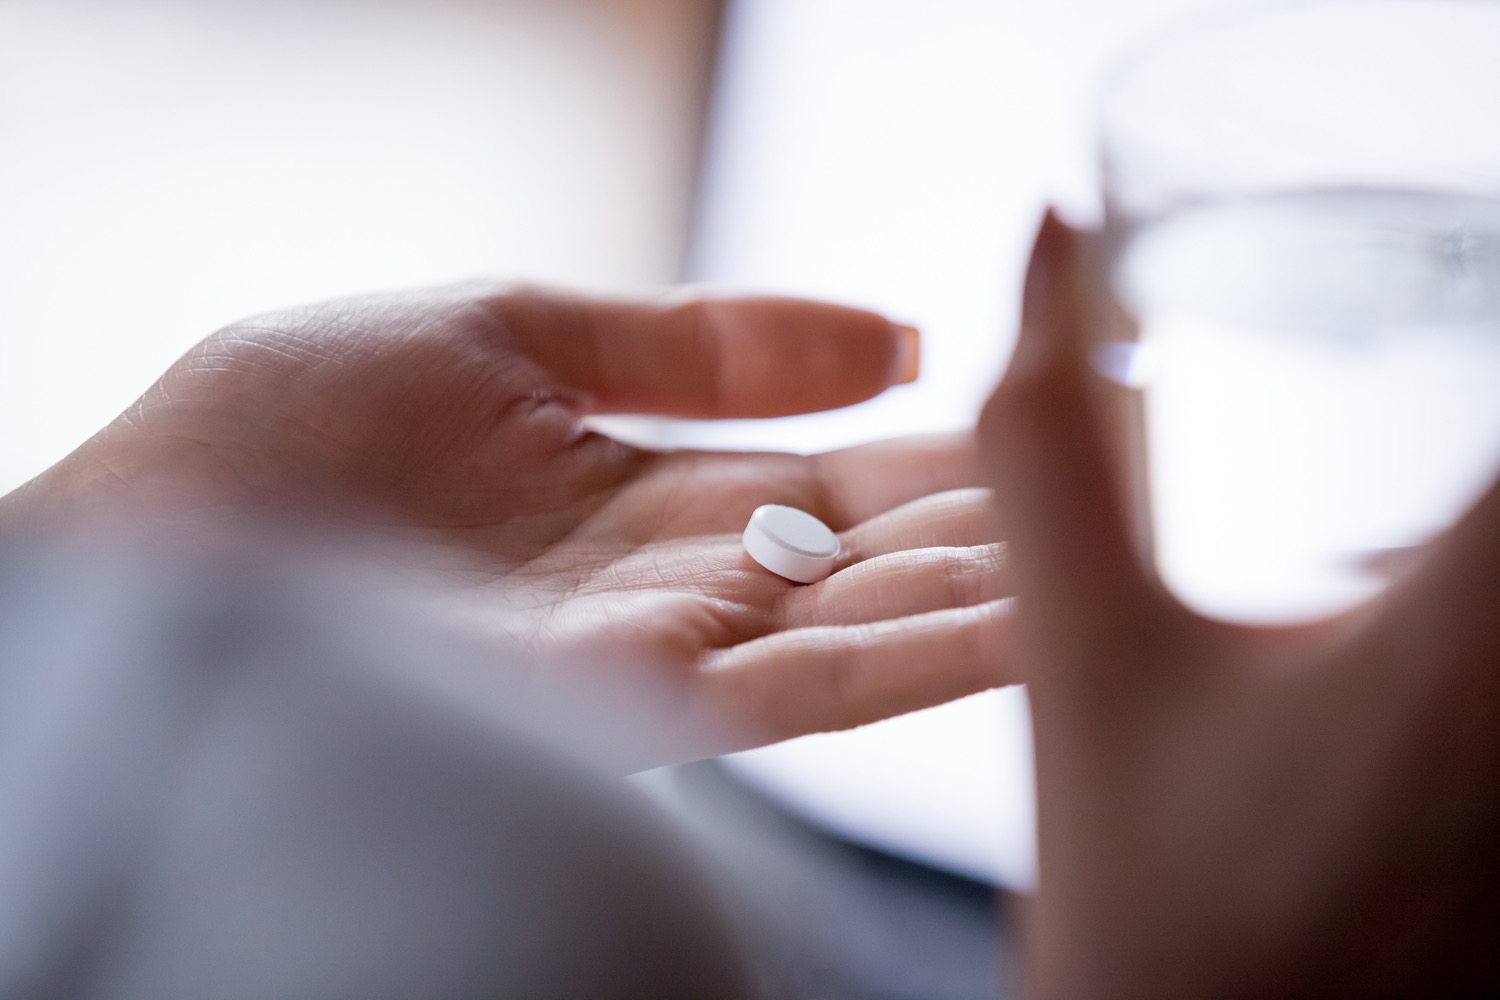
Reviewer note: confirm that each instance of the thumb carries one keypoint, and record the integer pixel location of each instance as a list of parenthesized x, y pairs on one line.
[(1087, 599), (710, 357)]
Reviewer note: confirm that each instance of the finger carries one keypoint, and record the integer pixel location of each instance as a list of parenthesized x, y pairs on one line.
[(900, 584), (861, 482), (837, 677), (956, 517), (1089, 602), (1451, 599), (709, 357), (705, 492)]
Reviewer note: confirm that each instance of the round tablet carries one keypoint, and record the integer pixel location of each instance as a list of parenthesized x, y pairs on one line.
[(791, 543)]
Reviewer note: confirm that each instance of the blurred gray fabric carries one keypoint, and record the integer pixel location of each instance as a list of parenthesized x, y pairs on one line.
[(220, 779)]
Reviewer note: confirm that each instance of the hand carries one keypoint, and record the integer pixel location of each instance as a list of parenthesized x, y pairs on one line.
[(461, 412), (1232, 811)]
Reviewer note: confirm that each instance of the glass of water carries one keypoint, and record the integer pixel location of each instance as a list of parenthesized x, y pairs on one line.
[(1303, 223)]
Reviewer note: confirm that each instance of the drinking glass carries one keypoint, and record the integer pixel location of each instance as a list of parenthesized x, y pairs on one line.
[(1303, 239)]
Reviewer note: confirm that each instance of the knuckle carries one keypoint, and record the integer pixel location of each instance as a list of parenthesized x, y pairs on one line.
[(971, 573), (843, 680)]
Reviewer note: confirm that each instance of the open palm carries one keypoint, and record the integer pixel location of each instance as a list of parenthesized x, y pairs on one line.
[(462, 412)]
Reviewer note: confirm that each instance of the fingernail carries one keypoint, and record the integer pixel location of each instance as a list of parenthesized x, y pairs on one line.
[(908, 354)]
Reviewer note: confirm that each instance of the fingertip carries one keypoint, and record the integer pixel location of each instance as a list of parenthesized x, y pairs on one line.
[(908, 359), (1054, 296), (788, 356)]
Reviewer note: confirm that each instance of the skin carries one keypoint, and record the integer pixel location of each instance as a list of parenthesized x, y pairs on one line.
[(1224, 811), (1228, 811), (457, 417)]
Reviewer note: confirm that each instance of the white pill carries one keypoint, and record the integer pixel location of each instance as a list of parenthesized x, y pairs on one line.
[(791, 543)]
